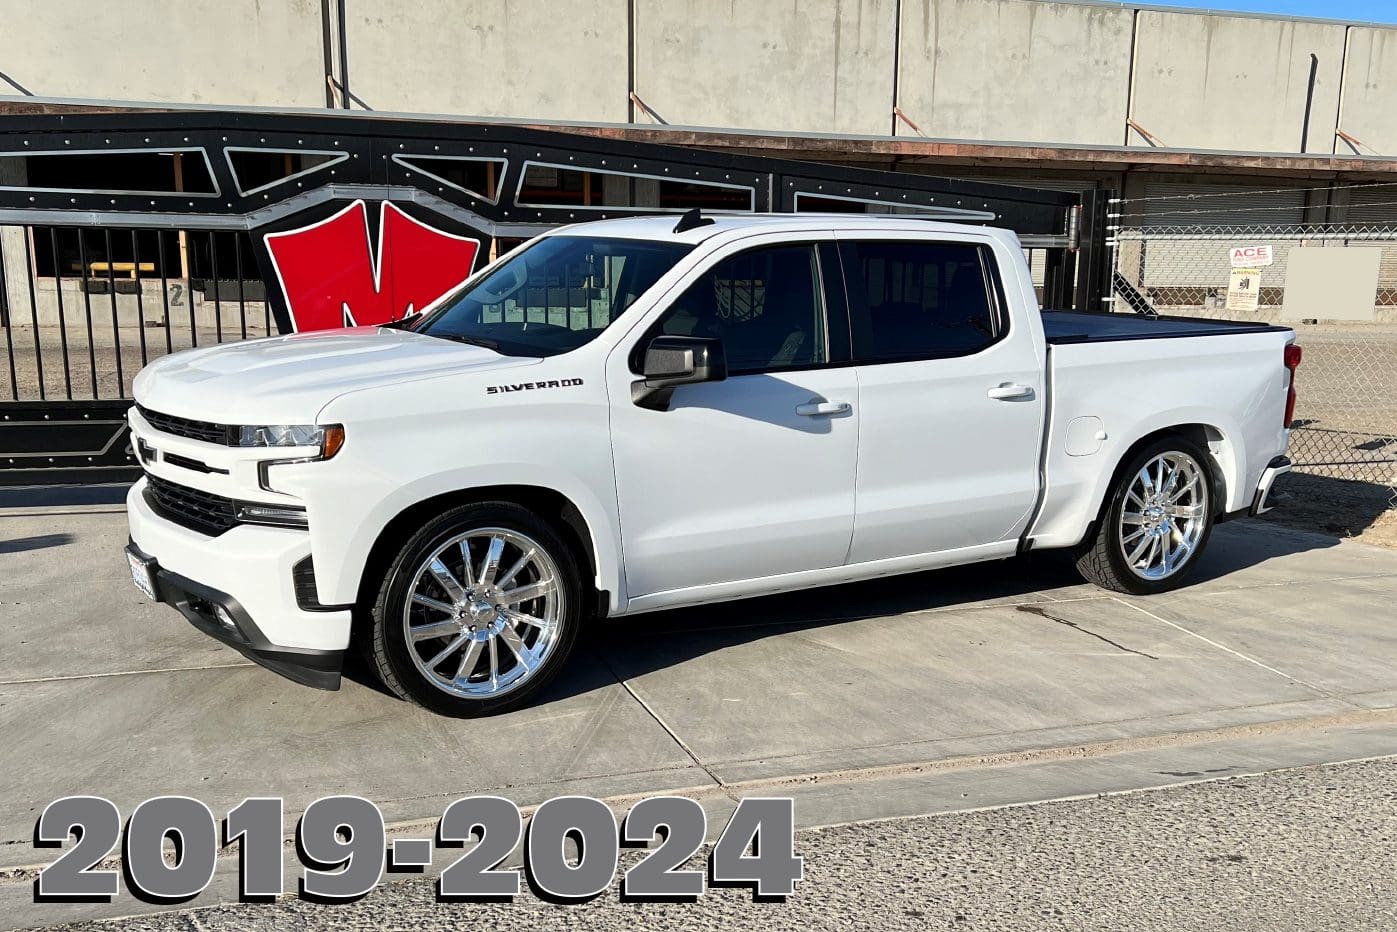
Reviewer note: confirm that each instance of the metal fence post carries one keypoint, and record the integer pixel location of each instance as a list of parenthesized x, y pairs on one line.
[(1093, 273)]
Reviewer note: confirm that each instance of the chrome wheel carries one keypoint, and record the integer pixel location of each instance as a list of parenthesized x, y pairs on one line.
[(483, 613), (1164, 515)]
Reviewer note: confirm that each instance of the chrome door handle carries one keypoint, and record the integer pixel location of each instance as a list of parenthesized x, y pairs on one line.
[(822, 408), (1007, 391)]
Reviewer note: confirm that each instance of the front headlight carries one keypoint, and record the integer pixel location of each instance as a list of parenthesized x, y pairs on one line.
[(281, 435), (328, 437)]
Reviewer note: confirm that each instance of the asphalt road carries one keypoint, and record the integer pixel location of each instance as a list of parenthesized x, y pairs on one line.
[(1301, 849)]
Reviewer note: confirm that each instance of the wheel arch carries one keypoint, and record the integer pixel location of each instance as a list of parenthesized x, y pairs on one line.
[(1221, 463), (548, 503)]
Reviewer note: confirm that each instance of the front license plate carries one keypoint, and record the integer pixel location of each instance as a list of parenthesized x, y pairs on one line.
[(141, 575)]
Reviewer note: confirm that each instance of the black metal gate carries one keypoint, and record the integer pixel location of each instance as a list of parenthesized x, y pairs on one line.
[(126, 236)]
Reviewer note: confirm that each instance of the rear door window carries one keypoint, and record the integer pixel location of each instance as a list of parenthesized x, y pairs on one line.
[(920, 300)]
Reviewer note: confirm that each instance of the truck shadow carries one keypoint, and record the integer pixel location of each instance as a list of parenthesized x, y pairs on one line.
[(627, 648), (1337, 507), (37, 542)]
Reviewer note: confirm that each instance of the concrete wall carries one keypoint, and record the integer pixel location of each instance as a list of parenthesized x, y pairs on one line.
[(266, 52), (550, 59), (1370, 91), (1042, 71), (815, 65), (1225, 82), (1005, 69)]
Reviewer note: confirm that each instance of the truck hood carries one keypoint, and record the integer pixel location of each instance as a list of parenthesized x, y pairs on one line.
[(289, 379)]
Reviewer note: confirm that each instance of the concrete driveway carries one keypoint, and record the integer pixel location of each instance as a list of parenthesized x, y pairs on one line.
[(990, 685)]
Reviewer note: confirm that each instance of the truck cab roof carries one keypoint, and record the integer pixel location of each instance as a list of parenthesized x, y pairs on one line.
[(729, 226)]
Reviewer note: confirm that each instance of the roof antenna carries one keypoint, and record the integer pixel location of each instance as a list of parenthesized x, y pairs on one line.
[(690, 220)]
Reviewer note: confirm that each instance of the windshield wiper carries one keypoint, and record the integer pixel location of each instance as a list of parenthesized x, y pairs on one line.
[(466, 338), (403, 323)]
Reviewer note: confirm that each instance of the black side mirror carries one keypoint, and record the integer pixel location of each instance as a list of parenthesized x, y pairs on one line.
[(674, 361)]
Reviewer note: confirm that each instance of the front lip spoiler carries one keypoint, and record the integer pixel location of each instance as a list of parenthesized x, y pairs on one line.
[(309, 667)]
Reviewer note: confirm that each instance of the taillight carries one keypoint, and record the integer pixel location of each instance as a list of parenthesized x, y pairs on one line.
[(1293, 354)]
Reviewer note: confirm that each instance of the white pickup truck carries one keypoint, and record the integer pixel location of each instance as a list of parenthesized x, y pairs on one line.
[(632, 415)]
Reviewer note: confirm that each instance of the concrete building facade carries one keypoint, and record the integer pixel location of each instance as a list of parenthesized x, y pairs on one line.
[(1062, 72), (1069, 94)]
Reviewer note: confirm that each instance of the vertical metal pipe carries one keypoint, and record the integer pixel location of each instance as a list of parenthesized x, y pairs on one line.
[(1309, 102), (344, 55), (62, 324), (164, 289), (630, 61), (188, 255), (1343, 90), (238, 271), (140, 298), (6, 320), (116, 328), (87, 309), (213, 274), (897, 65), (327, 53), (34, 308)]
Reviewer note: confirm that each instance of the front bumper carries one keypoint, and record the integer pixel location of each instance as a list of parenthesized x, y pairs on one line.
[(220, 616), (247, 570)]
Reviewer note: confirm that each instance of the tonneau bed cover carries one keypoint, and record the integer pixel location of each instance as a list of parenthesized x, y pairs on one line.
[(1080, 327)]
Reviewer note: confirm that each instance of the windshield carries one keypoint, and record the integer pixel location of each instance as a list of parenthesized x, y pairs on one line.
[(554, 296)]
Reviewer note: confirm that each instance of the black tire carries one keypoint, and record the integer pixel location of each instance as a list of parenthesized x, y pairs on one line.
[(1100, 558), (388, 642)]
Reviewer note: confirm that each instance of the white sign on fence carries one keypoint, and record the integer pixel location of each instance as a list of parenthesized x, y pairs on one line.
[(1332, 283), (1252, 257), (1244, 290)]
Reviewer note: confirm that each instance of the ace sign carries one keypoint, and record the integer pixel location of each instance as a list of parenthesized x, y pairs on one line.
[(1252, 257)]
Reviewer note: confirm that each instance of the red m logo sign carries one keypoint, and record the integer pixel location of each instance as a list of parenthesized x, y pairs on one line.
[(331, 276)]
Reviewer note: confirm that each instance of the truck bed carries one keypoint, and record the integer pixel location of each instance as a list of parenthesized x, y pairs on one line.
[(1078, 327)]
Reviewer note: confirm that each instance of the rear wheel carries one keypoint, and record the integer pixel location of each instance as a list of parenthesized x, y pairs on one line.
[(1156, 522), (479, 611)]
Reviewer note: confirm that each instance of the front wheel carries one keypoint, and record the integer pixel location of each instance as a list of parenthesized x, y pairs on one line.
[(479, 609), (1156, 522)]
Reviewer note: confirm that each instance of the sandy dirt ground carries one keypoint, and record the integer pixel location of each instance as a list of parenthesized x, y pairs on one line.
[(1363, 511)]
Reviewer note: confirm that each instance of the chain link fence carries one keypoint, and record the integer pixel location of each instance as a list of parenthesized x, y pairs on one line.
[(1167, 263)]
